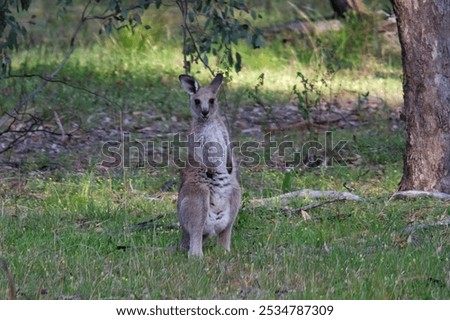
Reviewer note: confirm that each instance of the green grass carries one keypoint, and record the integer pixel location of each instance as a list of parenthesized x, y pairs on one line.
[(139, 70), (65, 221), (64, 242), (68, 237)]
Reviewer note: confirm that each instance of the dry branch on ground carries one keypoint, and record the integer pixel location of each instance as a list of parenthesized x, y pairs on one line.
[(285, 199), (414, 194)]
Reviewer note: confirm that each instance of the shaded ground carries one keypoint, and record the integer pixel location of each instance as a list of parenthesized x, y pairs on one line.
[(80, 143)]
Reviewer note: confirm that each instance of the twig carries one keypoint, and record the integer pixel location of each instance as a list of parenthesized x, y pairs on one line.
[(105, 16), (146, 224), (198, 52), (151, 224), (41, 130), (10, 124), (32, 122), (60, 126), (421, 194), (46, 78), (183, 5), (183, 8)]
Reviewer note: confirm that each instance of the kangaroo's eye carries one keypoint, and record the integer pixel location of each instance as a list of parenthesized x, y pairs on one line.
[(211, 101), (197, 102)]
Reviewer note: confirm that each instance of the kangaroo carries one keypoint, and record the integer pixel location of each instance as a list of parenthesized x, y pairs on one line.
[(209, 196)]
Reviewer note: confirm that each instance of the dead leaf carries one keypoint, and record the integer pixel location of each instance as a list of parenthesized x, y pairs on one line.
[(305, 215)]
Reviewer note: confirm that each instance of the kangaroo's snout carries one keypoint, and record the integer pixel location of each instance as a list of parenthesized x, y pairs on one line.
[(205, 113)]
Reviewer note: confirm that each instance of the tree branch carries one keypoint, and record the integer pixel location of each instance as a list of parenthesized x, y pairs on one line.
[(23, 102), (183, 5), (303, 210), (60, 126), (48, 79), (284, 199), (420, 194), (32, 124), (105, 16)]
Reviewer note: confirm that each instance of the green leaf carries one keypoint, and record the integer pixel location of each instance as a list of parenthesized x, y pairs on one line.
[(230, 58), (191, 16), (205, 60), (145, 3), (208, 23), (238, 65), (25, 4)]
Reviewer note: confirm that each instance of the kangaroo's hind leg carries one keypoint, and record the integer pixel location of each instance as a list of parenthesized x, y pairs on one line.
[(192, 212), (224, 237)]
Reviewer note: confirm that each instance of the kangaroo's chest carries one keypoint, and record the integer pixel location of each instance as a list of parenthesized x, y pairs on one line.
[(210, 149), (211, 146), (219, 213)]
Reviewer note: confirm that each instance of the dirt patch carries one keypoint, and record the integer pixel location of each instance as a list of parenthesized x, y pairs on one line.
[(46, 148)]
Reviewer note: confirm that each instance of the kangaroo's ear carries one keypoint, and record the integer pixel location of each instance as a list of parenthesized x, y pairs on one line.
[(215, 84), (189, 84)]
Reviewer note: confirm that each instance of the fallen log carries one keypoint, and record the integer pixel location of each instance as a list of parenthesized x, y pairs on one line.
[(284, 199), (414, 194)]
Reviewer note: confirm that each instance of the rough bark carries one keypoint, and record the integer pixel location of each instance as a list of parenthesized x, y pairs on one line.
[(424, 37)]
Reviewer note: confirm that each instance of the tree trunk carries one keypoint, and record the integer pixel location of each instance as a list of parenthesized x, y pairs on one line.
[(424, 37)]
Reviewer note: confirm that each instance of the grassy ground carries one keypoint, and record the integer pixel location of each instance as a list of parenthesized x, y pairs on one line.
[(65, 227), (68, 237)]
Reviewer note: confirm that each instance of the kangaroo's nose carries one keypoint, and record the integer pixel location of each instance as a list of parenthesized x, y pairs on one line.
[(205, 113)]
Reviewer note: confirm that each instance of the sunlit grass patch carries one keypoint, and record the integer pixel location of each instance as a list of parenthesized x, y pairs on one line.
[(71, 238), (73, 229)]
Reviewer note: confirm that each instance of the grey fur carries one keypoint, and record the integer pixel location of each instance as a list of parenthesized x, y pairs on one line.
[(209, 196)]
